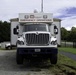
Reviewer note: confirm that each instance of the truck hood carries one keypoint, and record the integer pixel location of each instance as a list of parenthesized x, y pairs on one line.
[(36, 32)]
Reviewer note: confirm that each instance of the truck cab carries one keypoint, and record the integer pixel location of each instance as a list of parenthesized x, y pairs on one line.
[(36, 37)]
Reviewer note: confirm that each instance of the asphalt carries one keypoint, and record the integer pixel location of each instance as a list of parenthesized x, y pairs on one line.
[(70, 55)]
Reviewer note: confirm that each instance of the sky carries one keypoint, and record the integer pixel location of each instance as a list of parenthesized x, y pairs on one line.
[(62, 9)]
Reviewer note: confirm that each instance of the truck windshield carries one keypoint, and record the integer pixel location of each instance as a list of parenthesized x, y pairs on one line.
[(35, 27)]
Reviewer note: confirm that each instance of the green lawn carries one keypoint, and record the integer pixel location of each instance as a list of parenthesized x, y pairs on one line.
[(67, 49), (65, 66)]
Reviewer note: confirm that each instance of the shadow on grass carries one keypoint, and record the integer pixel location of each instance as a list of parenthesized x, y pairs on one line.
[(72, 67)]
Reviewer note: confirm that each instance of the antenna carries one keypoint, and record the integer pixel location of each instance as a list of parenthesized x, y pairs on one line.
[(41, 5)]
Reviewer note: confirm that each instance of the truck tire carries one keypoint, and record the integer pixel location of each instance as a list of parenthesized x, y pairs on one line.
[(6, 48), (19, 58), (53, 59), (11, 47)]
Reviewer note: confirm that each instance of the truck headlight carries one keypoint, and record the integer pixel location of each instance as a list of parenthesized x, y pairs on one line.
[(54, 42), (20, 42)]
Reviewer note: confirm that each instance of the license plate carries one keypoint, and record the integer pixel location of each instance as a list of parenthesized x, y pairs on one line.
[(37, 50)]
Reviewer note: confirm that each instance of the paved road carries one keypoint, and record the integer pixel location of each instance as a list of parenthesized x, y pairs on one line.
[(8, 65), (72, 56)]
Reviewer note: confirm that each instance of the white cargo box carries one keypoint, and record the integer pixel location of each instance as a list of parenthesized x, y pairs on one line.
[(36, 17)]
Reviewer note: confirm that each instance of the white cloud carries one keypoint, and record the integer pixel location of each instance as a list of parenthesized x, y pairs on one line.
[(69, 22), (57, 14), (55, 5), (16, 6), (74, 25), (68, 28)]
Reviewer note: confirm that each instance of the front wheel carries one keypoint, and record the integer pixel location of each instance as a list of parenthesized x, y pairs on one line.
[(19, 58), (53, 59)]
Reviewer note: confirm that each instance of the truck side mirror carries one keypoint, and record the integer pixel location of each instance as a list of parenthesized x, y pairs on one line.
[(55, 30), (15, 30)]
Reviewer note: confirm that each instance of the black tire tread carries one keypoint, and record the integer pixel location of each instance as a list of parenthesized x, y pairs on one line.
[(53, 59), (19, 58)]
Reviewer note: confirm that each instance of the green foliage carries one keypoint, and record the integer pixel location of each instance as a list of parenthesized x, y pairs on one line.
[(67, 49), (73, 34), (68, 35), (4, 31), (63, 33)]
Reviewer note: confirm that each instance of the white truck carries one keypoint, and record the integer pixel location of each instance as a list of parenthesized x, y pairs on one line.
[(36, 35)]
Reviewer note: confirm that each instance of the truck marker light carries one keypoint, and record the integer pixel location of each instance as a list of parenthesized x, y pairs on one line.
[(31, 16), (44, 16), (26, 16)]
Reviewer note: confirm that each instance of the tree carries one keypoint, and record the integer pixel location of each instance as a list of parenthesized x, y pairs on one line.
[(64, 34), (73, 34), (4, 31)]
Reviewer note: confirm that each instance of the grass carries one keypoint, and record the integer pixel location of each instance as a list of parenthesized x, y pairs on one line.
[(2, 49), (67, 49), (65, 66), (66, 60)]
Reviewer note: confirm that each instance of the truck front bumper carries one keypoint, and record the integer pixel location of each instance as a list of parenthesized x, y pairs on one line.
[(42, 50)]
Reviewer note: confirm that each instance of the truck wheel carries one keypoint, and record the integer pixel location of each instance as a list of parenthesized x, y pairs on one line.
[(19, 58), (53, 59), (6, 48), (11, 47)]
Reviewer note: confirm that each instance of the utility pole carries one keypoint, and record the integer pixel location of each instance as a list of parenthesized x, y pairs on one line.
[(41, 5)]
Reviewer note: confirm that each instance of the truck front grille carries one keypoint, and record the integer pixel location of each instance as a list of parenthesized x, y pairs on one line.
[(34, 39)]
